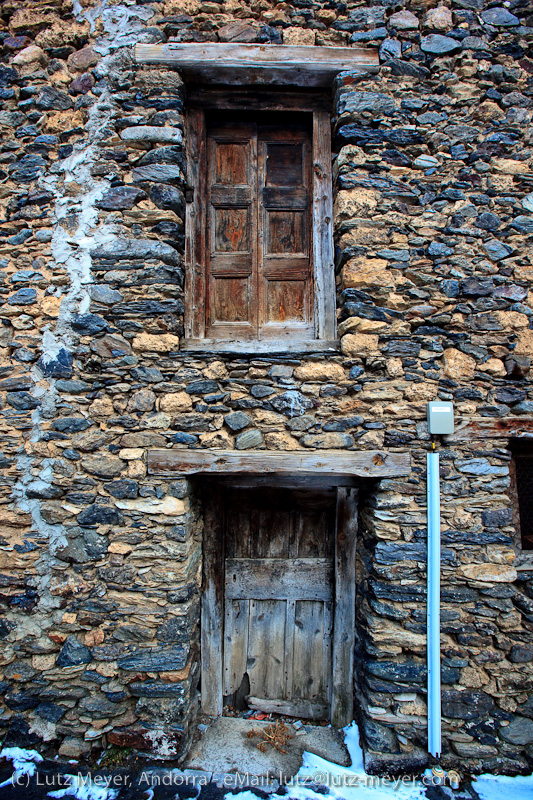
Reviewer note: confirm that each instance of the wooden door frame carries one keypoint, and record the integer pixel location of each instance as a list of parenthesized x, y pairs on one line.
[(212, 614)]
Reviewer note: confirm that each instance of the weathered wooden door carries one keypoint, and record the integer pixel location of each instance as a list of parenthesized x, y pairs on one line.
[(279, 597), (259, 201)]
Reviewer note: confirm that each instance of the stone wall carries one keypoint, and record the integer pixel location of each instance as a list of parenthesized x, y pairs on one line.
[(100, 563)]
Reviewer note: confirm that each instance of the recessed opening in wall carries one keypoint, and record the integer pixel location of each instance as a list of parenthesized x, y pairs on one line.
[(278, 605), (259, 249), (522, 492)]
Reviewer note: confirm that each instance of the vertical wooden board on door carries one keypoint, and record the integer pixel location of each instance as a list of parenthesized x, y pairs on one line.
[(266, 648), (236, 618)]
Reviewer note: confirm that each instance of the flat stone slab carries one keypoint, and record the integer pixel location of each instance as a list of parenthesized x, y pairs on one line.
[(224, 748)]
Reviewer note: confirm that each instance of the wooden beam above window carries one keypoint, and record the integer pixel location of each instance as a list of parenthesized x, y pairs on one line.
[(364, 463), (257, 63)]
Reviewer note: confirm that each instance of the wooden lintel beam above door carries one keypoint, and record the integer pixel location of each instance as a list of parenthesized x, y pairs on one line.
[(364, 463), (257, 63)]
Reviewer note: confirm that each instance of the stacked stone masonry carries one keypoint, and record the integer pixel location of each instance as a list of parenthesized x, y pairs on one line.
[(100, 564)]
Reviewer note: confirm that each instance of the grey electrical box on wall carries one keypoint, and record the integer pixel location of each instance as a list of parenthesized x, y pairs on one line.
[(440, 417)]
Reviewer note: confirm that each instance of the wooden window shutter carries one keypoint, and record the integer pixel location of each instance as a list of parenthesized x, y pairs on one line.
[(259, 228)]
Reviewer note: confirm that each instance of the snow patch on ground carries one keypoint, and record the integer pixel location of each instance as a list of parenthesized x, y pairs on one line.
[(350, 783), (24, 762), (502, 787), (82, 788)]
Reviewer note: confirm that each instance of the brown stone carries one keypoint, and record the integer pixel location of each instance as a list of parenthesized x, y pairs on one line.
[(489, 573), (156, 343), (458, 365), (359, 344), (176, 401), (238, 31), (439, 18), (83, 59), (143, 400), (103, 466), (320, 371), (112, 345)]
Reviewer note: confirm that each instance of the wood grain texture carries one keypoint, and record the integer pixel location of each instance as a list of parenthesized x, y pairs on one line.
[(212, 603), (259, 64), (274, 578), (324, 270), (304, 709), (342, 688), (367, 463), (519, 427), (195, 223), (287, 345)]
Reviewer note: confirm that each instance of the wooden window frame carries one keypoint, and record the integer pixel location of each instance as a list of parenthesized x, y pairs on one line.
[(322, 221)]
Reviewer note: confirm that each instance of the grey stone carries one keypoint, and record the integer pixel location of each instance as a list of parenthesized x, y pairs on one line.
[(390, 48), (155, 659), (73, 653), (327, 440), (50, 711), (357, 103), (518, 732), (523, 224), (97, 707), (437, 45), (496, 250), (146, 374), (24, 297), (369, 36), (281, 371), (260, 390), (168, 197), (521, 653), (72, 387), (378, 737), (438, 249), (497, 517), (149, 133), (51, 99), (488, 221), (202, 387), (161, 173), (136, 248), (157, 689), (237, 420), (249, 439), (22, 401), (500, 17), (526, 407), (163, 155), (120, 197), (88, 324), (465, 704), (71, 424), (59, 366), (102, 293), (99, 515), (340, 424), (123, 489), (479, 466), (291, 403)]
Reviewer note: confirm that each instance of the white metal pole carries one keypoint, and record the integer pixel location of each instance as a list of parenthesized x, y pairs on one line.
[(433, 605)]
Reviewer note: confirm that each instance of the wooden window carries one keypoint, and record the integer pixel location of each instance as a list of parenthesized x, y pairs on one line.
[(259, 242), (522, 493)]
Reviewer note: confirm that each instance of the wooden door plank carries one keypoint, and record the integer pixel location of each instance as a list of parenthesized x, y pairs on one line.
[(310, 682), (266, 648), (195, 223), (342, 685), (235, 644), (290, 630), (279, 578), (252, 63), (324, 270), (212, 603), (304, 709), (364, 463)]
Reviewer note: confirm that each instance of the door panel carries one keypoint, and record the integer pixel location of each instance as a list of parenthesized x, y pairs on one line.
[(231, 231), (259, 238), (279, 589)]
